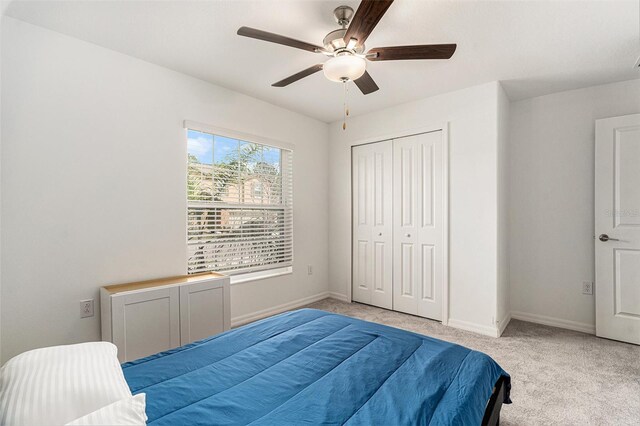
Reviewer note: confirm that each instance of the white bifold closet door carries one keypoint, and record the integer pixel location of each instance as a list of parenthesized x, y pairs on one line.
[(398, 224), (418, 224), (372, 224)]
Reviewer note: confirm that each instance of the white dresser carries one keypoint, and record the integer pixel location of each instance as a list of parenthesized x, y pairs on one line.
[(147, 317)]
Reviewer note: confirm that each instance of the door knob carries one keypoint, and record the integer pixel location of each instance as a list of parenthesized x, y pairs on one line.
[(380, 234), (604, 238), (408, 235)]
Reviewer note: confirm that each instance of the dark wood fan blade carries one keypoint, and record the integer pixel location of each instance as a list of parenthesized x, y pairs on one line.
[(425, 51), (276, 38), (366, 84), (302, 74), (365, 19)]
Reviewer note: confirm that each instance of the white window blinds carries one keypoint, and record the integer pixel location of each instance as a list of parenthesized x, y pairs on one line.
[(239, 198)]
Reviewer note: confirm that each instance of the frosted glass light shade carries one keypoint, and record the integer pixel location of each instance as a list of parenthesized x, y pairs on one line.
[(343, 67)]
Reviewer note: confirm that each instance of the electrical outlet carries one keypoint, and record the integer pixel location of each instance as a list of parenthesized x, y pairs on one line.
[(86, 308), (309, 270), (587, 287)]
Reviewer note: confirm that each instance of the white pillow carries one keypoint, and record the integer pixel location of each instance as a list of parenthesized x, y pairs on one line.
[(126, 412), (56, 385)]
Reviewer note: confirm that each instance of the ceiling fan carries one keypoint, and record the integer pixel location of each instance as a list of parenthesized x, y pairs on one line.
[(346, 50)]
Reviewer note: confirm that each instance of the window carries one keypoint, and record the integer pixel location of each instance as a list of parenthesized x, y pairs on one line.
[(239, 198)]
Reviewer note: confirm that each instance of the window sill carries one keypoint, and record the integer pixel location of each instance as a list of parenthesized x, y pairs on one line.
[(260, 275)]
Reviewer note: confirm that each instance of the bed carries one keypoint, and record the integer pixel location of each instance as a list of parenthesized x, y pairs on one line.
[(315, 367)]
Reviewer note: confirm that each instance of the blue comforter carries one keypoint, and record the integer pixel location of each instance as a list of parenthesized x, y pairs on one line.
[(313, 367)]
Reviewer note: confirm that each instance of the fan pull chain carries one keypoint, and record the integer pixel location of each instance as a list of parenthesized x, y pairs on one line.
[(345, 104)]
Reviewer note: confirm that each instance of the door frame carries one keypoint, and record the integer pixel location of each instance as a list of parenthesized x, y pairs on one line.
[(444, 128)]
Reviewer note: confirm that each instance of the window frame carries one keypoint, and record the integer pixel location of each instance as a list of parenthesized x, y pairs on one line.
[(244, 276)]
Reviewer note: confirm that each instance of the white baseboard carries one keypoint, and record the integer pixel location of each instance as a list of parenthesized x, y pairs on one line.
[(504, 322), (475, 328), (254, 316), (339, 296), (554, 322)]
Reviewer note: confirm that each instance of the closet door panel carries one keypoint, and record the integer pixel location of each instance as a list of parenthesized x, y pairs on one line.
[(362, 224), (430, 229), (427, 272), (372, 224), (404, 231), (418, 224), (382, 230), (427, 178)]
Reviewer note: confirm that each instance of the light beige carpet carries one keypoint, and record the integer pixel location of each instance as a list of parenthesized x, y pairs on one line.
[(559, 377)]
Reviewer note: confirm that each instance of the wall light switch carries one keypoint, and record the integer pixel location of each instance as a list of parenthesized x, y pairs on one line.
[(587, 287), (86, 308)]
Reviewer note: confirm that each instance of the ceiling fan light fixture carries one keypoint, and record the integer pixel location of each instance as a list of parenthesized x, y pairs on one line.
[(346, 49), (344, 67)]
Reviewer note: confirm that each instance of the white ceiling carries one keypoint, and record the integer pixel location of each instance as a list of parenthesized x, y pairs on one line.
[(533, 47)]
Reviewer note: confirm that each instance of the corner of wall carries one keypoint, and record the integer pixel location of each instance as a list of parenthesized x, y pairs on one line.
[(486, 330), (503, 293), (327, 138), (338, 247), (3, 6)]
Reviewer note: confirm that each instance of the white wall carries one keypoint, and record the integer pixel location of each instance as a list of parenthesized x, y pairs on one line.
[(503, 291), (551, 198), (93, 182), (3, 6), (473, 195)]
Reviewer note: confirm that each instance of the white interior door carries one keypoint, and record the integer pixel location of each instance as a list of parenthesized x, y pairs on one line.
[(419, 228), (617, 228), (372, 224)]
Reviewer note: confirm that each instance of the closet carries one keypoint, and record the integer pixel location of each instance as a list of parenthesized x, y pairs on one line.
[(399, 224)]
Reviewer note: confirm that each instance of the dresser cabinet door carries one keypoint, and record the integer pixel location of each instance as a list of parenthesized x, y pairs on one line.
[(203, 309), (145, 323)]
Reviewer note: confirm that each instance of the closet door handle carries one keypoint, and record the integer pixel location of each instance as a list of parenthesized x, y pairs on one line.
[(379, 234), (408, 235)]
